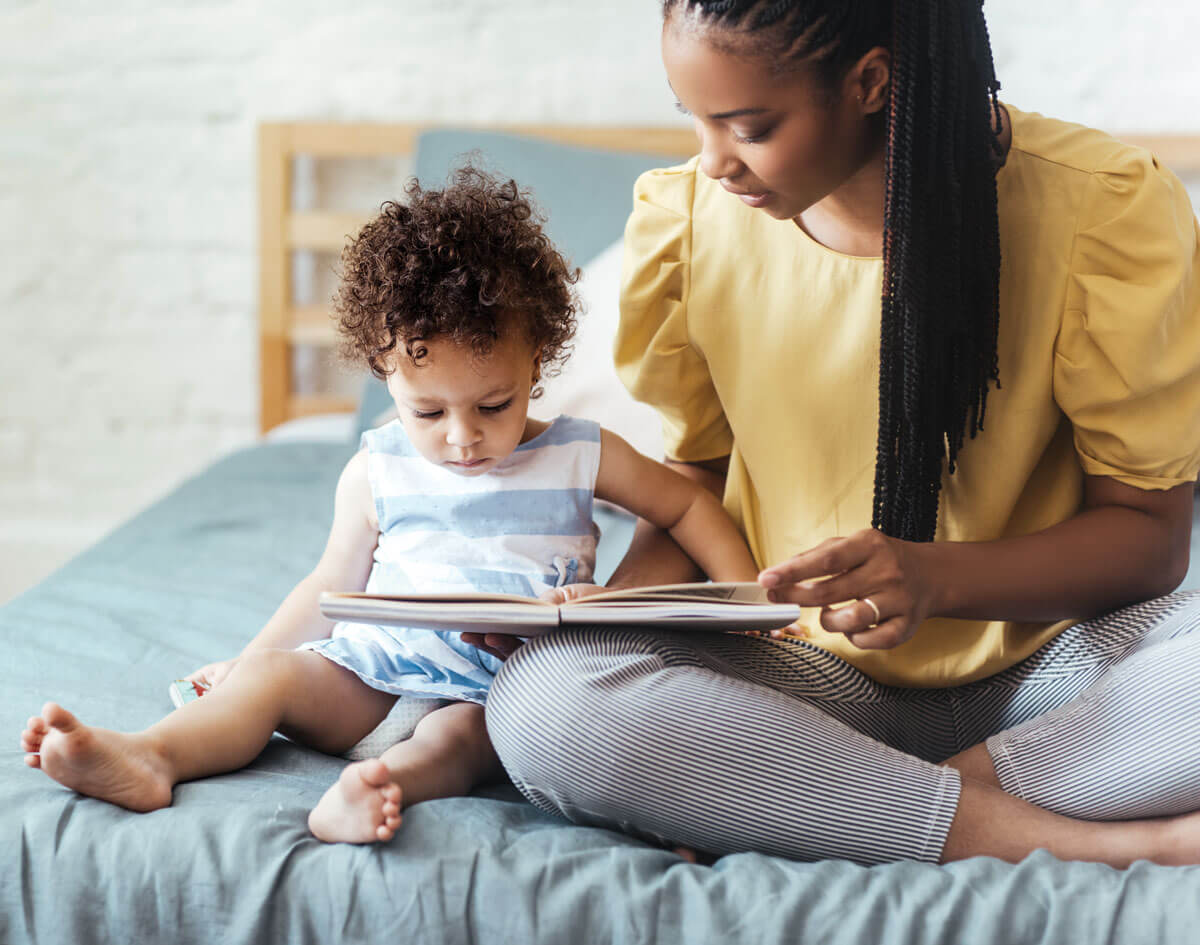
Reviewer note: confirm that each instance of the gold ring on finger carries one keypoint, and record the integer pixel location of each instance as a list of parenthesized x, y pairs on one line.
[(875, 607)]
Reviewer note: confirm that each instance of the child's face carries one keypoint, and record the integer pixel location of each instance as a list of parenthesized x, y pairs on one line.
[(463, 412)]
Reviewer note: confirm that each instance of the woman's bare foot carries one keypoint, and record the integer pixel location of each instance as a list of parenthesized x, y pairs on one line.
[(362, 806), (115, 767), (688, 855)]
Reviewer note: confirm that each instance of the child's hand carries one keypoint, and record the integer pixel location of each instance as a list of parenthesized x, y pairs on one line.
[(560, 595), (212, 674)]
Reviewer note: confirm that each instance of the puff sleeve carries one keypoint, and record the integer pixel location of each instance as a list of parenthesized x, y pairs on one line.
[(1127, 357), (654, 354)]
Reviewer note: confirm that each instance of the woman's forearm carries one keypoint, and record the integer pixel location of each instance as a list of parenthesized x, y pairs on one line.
[(654, 558), (1100, 559)]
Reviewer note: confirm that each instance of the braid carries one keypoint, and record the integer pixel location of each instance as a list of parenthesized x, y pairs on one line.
[(941, 241)]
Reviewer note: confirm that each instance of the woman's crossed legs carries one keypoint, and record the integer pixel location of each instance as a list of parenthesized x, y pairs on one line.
[(299, 693), (675, 738)]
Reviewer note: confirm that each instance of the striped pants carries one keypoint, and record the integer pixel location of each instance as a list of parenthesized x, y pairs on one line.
[(729, 743)]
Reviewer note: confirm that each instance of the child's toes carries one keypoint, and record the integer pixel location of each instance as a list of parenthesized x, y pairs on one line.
[(391, 821), (391, 793), (34, 732), (55, 716), (34, 761), (390, 807), (373, 772), (384, 833)]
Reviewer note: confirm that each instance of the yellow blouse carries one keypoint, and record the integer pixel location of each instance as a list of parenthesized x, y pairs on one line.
[(756, 342)]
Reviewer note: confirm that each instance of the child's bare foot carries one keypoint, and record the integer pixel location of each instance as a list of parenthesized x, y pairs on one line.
[(115, 767), (362, 806)]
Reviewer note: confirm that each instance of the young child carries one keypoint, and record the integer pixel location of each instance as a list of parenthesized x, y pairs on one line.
[(460, 302)]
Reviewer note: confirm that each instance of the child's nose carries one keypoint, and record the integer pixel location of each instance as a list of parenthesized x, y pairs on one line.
[(461, 433)]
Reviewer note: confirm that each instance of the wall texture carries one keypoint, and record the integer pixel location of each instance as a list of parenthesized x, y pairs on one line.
[(127, 213)]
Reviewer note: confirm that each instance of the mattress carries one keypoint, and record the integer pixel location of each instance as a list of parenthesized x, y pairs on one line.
[(192, 578)]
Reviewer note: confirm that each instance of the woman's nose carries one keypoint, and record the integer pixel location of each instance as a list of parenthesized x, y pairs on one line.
[(717, 159)]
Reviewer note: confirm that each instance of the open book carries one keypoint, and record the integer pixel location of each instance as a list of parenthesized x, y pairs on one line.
[(666, 607)]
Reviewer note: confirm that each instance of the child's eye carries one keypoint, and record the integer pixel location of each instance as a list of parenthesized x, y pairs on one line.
[(496, 408), (681, 108), (426, 414)]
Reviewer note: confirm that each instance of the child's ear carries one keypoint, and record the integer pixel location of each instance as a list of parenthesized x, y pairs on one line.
[(537, 366)]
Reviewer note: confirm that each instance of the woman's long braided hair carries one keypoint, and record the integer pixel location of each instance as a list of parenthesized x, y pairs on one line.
[(941, 243)]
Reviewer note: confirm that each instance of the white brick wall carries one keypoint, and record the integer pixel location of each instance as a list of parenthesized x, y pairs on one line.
[(127, 189)]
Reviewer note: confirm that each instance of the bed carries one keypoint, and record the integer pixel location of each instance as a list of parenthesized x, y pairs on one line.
[(194, 576)]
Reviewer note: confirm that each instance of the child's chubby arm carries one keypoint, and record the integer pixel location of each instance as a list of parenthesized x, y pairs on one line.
[(683, 507), (344, 566)]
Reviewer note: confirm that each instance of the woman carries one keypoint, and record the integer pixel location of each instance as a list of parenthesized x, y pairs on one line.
[(957, 705)]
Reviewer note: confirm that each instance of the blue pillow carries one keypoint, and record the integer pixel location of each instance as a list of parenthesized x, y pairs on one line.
[(585, 194)]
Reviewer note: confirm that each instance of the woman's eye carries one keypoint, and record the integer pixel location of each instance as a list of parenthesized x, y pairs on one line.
[(750, 139), (426, 414), (497, 407)]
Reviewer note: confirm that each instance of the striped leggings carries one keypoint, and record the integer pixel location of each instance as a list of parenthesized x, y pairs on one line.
[(729, 743)]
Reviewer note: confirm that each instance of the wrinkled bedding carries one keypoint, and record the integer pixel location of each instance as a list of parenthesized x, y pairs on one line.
[(191, 579)]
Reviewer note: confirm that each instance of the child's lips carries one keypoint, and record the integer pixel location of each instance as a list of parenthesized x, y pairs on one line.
[(467, 463)]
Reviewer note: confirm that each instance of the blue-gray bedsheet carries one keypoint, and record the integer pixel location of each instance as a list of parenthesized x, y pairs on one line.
[(191, 579)]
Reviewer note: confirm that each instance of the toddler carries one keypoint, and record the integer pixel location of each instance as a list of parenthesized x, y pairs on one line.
[(458, 300)]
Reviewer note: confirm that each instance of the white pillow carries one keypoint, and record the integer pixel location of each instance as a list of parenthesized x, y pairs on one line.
[(588, 385)]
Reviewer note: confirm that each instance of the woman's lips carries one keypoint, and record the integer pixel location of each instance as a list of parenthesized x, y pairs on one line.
[(750, 198)]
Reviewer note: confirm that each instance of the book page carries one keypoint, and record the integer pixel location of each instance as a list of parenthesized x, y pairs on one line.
[(509, 614), (729, 592), (450, 597)]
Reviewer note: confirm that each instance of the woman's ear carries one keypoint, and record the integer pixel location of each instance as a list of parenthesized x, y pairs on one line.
[(869, 79)]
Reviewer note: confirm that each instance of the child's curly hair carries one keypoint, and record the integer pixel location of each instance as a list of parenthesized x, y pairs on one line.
[(465, 263)]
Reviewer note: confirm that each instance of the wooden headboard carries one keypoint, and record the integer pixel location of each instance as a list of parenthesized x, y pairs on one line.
[(283, 230)]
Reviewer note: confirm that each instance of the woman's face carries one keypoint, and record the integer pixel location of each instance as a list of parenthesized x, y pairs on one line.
[(780, 142)]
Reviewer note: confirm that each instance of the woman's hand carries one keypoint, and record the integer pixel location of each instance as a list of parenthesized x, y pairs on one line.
[(866, 568), (212, 674), (500, 645), (503, 645)]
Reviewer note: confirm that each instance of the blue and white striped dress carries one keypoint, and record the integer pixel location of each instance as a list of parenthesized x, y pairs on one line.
[(523, 527)]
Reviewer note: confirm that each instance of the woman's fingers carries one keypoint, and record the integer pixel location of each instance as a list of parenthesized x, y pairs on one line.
[(500, 645), (870, 587), (856, 616), (505, 643), (804, 570), (477, 640), (880, 627), (822, 593), (888, 634)]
